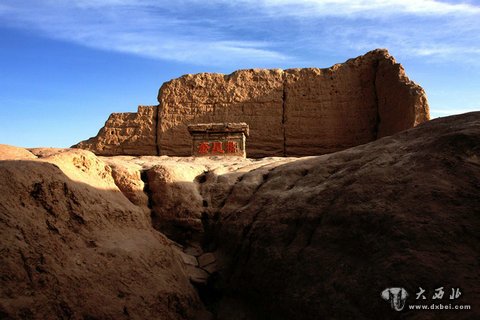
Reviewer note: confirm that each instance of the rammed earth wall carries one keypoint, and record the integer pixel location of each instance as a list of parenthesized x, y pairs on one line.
[(294, 112)]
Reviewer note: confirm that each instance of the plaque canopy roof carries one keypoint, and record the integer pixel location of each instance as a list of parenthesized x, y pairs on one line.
[(240, 127)]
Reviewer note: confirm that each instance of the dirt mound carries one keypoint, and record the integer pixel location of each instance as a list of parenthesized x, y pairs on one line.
[(74, 247), (272, 238), (14, 153), (323, 237)]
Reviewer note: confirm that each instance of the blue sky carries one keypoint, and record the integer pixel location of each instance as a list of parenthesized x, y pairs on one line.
[(66, 65)]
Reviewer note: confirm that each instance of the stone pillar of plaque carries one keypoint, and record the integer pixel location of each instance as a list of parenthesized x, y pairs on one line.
[(219, 139)]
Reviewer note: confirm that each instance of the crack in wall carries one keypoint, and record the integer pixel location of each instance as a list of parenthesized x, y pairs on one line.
[(146, 189), (157, 121)]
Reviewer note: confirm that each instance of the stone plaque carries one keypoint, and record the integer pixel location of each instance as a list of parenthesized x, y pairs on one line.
[(219, 139)]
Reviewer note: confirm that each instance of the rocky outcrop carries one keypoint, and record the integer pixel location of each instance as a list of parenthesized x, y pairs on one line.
[(322, 237), (74, 247), (176, 203), (273, 238), (128, 178), (14, 153), (293, 112), (127, 133)]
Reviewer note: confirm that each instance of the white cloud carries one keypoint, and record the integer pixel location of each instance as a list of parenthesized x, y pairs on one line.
[(456, 39), (137, 27), (196, 51), (372, 7), (445, 50), (221, 32)]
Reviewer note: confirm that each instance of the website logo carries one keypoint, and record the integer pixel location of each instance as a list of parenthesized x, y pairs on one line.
[(396, 297)]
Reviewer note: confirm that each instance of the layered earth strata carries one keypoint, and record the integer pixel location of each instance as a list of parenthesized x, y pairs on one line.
[(294, 112)]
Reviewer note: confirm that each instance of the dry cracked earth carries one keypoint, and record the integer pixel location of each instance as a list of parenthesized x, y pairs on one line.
[(320, 237)]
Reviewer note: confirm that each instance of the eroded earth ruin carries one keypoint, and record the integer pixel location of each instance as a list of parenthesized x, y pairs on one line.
[(132, 232), (294, 112)]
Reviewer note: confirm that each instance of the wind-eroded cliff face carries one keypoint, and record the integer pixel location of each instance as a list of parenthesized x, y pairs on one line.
[(293, 112), (126, 133)]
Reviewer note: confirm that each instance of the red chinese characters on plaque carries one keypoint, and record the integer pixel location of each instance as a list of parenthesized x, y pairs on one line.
[(217, 147), (204, 148), (219, 139), (232, 147)]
